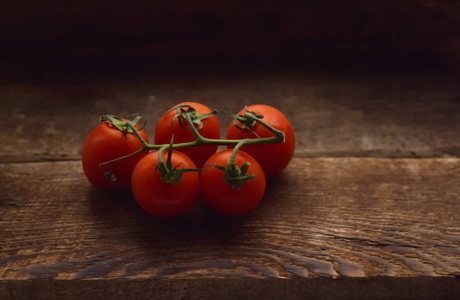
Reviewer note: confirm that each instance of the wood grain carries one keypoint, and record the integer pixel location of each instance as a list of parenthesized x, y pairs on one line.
[(368, 208), (379, 288), (323, 218), (333, 115)]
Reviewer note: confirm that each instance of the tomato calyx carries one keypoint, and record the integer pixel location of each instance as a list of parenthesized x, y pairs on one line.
[(234, 175), (121, 124), (247, 121), (169, 173), (183, 110)]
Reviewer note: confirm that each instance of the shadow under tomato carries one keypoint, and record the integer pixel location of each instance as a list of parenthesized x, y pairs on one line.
[(120, 216)]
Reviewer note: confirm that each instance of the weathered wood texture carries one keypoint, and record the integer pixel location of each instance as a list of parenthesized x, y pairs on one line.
[(368, 208), (330, 218), (333, 115), (427, 288)]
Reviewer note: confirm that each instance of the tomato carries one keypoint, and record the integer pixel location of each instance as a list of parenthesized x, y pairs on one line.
[(166, 128), (161, 199), (273, 158), (104, 143), (220, 195)]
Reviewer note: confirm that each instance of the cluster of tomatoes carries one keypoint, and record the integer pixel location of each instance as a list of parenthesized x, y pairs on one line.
[(196, 170)]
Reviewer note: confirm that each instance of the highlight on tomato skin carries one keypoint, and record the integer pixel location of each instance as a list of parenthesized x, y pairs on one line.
[(221, 196), (105, 143), (273, 158), (161, 199), (167, 127)]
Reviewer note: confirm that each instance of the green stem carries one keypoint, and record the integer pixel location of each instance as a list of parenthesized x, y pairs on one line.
[(279, 135), (136, 132), (198, 137), (161, 161), (200, 140), (232, 161), (123, 157)]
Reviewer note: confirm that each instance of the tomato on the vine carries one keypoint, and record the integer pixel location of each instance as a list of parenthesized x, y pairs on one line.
[(221, 195), (159, 198), (107, 142), (273, 158), (170, 124)]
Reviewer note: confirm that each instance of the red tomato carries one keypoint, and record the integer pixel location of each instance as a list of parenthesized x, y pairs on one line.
[(273, 158), (161, 199), (221, 196), (106, 143), (183, 134)]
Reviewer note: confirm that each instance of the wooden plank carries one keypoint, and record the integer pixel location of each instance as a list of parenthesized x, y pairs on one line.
[(426, 288), (333, 115), (324, 217)]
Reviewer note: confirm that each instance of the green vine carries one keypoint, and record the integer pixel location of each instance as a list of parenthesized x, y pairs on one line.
[(233, 174)]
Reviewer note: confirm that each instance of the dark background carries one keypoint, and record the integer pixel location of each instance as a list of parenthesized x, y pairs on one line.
[(47, 38)]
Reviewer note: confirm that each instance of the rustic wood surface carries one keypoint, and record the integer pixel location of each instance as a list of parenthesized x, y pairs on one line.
[(392, 115), (367, 209), (324, 217)]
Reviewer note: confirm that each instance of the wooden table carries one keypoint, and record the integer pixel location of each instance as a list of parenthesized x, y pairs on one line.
[(369, 207)]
